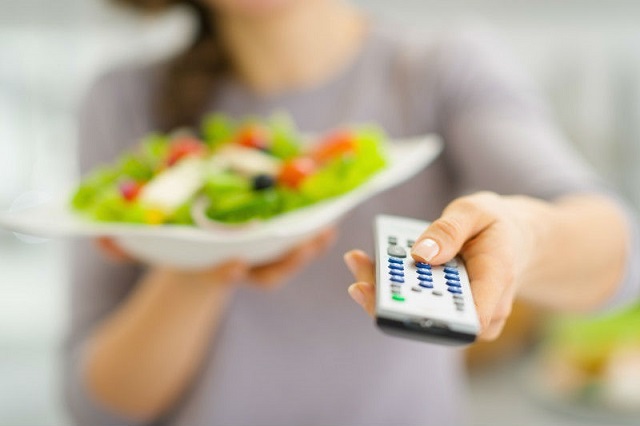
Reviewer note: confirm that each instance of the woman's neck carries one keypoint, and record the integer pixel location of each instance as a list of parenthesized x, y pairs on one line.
[(297, 48)]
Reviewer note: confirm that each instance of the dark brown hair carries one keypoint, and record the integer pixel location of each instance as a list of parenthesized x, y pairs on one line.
[(189, 79)]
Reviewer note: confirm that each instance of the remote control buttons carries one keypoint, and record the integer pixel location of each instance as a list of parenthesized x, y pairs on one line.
[(454, 290), (458, 301), (416, 289), (398, 298), (396, 269), (450, 270), (455, 284), (393, 241), (421, 265), (426, 284), (450, 277), (452, 263), (436, 293), (396, 251), (410, 243)]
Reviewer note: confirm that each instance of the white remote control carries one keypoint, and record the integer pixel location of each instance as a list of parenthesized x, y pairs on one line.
[(417, 300)]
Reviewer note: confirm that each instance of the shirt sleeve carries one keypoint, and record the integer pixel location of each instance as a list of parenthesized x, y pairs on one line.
[(97, 286), (500, 137)]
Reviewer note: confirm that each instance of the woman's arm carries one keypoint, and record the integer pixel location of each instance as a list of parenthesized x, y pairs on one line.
[(570, 252), (140, 359), (579, 254), (143, 355)]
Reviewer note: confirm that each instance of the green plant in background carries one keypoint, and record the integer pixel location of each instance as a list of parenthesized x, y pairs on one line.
[(595, 361)]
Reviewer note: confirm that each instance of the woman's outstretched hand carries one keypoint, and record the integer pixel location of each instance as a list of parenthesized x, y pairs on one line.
[(494, 242)]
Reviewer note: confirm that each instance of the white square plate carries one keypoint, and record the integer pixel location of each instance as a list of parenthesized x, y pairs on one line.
[(191, 247)]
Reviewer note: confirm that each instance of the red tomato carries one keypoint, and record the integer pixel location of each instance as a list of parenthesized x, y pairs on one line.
[(294, 171), (253, 137), (184, 147), (335, 145), (130, 189)]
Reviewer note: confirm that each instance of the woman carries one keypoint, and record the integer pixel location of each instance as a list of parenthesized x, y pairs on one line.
[(159, 346)]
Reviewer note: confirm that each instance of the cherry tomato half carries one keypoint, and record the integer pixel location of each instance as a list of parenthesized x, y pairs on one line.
[(184, 147), (253, 137), (130, 189), (335, 145), (294, 171)]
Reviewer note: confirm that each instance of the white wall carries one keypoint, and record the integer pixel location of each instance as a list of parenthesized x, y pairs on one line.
[(585, 54)]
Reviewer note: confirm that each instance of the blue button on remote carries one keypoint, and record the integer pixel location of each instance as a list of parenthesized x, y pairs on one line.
[(425, 284), (425, 271), (454, 290), (396, 274), (448, 270), (396, 267), (395, 260), (452, 277), (425, 278), (454, 284), (423, 265), (396, 279)]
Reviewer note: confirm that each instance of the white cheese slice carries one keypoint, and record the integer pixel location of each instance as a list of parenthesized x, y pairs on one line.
[(174, 186), (247, 161)]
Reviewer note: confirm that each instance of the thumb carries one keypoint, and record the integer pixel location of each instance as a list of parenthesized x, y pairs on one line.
[(462, 220)]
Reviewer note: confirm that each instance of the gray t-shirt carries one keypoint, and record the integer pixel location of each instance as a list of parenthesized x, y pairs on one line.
[(306, 354)]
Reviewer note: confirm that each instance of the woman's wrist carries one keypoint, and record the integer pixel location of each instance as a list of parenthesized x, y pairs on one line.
[(193, 287), (534, 222)]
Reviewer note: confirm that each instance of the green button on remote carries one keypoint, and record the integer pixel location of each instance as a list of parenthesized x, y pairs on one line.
[(398, 298)]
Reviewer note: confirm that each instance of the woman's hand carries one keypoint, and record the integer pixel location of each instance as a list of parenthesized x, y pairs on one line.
[(495, 237), (267, 276), (273, 274)]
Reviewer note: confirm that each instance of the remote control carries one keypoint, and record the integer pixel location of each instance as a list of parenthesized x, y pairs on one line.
[(417, 300)]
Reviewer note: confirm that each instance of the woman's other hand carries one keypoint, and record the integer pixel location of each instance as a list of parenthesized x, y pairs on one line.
[(268, 276)]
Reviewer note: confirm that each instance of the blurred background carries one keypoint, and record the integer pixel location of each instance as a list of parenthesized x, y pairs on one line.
[(584, 54)]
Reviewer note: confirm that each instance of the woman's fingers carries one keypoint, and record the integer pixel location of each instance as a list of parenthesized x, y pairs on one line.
[(113, 251), (230, 272), (276, 272), (227, 273), (493, 331), (362, 267), (364, 294), (462, 220), (490, 266)]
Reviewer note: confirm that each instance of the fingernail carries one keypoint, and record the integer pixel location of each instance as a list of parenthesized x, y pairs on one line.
[(356, 294), (426, 249), (351, 263)]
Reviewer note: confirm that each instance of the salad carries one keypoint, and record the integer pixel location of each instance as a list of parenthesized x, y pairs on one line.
[(232, 172)]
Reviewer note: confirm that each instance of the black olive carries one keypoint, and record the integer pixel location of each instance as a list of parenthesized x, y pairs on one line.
[(261, 182)]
